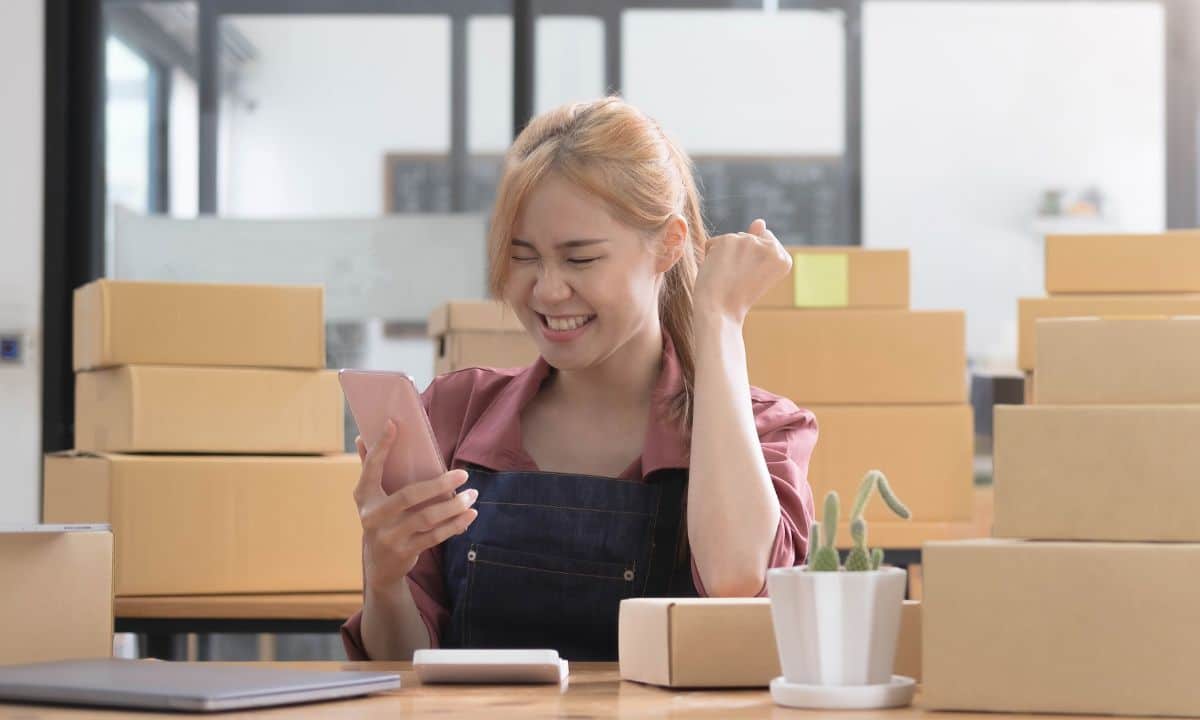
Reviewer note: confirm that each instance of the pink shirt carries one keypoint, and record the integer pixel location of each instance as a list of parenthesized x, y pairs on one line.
[(476, 414)]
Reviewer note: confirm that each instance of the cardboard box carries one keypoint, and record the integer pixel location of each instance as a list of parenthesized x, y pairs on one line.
[(908, 645), (842, 277), (720, 642), (926, 451), (160, 408), (208, 524), (156, 323), (1118, 361), (698, 642), (479, 333), (57, 602), (1030, 310), (1152, 263), (881, 357), (460, 350), (1096, 628), (1104, 472)]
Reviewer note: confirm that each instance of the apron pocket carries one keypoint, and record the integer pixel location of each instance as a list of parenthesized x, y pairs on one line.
[(518, 599)]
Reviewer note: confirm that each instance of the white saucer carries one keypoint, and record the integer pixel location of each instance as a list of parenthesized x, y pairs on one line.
[(897, 693)]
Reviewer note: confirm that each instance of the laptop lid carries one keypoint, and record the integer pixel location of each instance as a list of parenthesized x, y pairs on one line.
[(199, 687)]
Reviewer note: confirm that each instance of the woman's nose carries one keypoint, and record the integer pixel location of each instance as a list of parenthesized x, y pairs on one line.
[(550, 286)]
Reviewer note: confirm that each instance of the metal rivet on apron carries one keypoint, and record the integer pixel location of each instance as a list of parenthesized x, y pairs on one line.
[(470, 556), (628, 576)]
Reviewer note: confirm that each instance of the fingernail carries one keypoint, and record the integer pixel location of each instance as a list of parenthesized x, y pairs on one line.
[(472, 495)]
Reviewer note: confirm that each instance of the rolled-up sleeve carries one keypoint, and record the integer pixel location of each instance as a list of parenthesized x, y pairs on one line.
[(788, 435)]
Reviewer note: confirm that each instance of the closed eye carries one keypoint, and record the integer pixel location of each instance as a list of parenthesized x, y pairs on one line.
[(582, 261), (523, 258)]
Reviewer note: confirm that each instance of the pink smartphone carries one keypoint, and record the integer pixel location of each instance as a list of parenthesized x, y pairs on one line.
[(374, 398)]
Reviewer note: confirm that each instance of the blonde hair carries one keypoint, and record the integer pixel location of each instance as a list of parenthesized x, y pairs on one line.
[(613, 151)]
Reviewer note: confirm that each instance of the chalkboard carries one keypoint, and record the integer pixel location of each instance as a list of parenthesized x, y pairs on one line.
[(800, 197)]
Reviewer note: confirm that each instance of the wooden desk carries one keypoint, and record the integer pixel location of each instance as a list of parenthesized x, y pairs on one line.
[(159, 618), (594, 691)]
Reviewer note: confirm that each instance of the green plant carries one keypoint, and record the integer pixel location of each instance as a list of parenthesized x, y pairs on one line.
[(823, 556)]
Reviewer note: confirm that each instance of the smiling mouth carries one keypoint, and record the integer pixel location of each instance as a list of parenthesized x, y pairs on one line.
[(565, 323)]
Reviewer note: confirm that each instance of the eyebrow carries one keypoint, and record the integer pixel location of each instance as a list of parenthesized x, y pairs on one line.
[(569, 244)]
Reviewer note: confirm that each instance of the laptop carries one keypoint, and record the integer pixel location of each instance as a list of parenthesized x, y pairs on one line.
[(196, 687)]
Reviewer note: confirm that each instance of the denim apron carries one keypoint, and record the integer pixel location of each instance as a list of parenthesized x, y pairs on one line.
[(551, 556)]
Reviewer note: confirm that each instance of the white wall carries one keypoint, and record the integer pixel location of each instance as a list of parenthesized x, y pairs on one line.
[(22, 38), (331, 95), (971, 109)]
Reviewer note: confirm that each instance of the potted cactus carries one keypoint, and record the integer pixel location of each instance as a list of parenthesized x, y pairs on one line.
[(836, 625)]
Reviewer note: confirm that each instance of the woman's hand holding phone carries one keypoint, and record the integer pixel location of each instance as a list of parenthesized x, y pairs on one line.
[(395, 529)]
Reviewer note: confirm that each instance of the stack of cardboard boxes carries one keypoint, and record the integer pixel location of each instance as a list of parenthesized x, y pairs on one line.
[(210, 437), (478, 333), (1112, 276), (887, 385), (1084, 601)]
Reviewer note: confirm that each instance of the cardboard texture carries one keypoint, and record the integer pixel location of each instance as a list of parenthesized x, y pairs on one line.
[(1030, 387), (720, 642), (883, 357), (484, 315), (466, 349), (57, 601), (1096, 628), (1102, 472), (118, 322), (192, 525), (925, 451), (1118, 361), (1030, 310), (160, 408), (837, 276), (698, 642), (1152, 263)]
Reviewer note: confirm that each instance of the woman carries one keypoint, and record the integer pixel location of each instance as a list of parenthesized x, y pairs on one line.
[(633, 458)]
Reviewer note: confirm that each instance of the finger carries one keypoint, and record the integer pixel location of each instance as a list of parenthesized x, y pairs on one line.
[(412, 495), (428, 518), (758, 227), (455, 526), (361, 447), (370, 482)]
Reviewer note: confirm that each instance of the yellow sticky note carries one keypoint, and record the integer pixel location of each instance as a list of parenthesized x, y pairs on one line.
[(821, 280)]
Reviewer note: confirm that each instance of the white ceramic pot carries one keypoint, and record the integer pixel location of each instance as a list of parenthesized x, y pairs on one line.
[(836, 628)]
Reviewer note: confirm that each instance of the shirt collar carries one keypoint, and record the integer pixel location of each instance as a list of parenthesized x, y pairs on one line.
[(494, 441)]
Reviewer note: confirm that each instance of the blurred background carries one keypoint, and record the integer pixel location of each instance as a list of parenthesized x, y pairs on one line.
[(963, 130)]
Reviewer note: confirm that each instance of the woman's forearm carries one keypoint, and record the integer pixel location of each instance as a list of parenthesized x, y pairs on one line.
[(733, 512), (392, 627)]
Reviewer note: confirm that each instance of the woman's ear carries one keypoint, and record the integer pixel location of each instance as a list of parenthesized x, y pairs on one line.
[(672, 244)]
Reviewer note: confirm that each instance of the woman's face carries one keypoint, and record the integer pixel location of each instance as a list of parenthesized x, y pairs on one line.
[(582, 283)]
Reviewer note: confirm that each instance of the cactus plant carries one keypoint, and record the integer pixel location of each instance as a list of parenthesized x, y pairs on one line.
[(823, 555)]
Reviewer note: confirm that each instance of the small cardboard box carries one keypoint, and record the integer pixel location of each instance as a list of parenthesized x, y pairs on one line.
[(1151, 263), (1097, 361), (1030, 310), (926, 451), (57, 597), (721, 642), (161, 408), (872, 357), (1049, 627), (479, 333), (120, 322), (842, 277), (1101, 472), (209, 524), (697, 642)]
